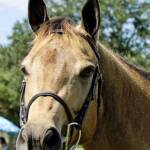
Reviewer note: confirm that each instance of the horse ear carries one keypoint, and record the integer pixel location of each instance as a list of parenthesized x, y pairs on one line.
[(37, 13), (91, 17)]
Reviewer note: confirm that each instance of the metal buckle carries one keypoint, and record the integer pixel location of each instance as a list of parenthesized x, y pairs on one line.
[(78, 127)]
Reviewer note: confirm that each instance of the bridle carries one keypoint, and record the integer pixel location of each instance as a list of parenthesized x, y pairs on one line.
[(78, 120)]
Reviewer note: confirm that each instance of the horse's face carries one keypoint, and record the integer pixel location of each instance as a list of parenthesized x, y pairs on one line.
[(62, 63), (62, 68)]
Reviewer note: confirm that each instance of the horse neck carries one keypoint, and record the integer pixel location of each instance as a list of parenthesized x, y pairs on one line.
[(126, 99), (122, 84)]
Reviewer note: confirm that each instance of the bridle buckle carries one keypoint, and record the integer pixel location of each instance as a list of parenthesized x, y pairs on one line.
[(77, 126)]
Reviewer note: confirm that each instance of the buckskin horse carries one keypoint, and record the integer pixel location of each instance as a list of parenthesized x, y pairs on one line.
[(77, 91)]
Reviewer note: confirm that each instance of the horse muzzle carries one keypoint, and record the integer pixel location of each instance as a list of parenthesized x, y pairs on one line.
[(29, 139)]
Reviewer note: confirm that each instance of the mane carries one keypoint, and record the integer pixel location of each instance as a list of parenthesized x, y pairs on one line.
[(140, 71), (58, 25), (144, 74)]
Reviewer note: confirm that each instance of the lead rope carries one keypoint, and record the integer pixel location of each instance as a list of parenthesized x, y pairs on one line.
[(77, 126)]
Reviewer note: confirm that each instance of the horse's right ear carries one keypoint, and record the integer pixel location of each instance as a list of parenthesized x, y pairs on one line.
[(37, 13), (91, 17)]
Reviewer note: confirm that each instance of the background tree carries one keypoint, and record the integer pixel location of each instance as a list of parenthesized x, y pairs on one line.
[(10, 75)]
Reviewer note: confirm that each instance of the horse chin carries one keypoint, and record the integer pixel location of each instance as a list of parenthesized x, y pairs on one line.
[(20, 143)]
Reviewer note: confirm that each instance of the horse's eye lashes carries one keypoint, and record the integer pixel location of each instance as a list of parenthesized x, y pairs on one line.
[(87, 72)]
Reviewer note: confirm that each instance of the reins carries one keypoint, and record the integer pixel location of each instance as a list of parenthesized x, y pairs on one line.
[(78, 120)]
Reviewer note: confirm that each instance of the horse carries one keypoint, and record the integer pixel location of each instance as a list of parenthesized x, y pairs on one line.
[(77, 91)]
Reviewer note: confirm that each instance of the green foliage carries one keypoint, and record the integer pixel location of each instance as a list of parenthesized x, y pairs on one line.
[(125, 25), (140, 59), (10, 76), (68, 8), (118, 17)]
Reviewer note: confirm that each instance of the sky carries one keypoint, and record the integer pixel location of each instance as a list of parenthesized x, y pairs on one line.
[(10, 12)]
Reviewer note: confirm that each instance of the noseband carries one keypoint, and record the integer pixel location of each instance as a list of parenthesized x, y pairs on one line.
[(97, 80)]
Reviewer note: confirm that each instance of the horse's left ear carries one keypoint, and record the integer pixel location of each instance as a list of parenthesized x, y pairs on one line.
[(91, 17), (37, 13)]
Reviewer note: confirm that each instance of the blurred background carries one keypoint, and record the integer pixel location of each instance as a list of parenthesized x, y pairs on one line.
[(125, 28)]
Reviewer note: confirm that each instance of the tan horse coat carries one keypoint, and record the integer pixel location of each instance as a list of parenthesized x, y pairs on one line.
[(56, 62), (125, 122)]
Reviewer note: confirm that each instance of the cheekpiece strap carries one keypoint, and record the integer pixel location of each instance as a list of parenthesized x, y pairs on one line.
[(22, 113)]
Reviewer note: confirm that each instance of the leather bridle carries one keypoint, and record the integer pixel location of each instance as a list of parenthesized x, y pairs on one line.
[(96, 82)]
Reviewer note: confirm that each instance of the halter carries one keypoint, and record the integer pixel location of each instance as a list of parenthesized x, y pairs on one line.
[(78, 120)]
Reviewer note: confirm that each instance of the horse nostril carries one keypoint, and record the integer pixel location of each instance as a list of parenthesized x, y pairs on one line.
[(52, 140)]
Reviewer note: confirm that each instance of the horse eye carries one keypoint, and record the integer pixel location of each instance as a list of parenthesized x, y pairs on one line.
[(87, 72), (24, 70)]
